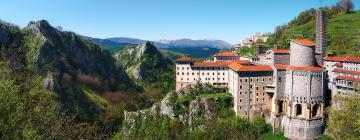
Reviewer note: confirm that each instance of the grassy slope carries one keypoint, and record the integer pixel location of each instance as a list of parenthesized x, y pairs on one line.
[(343, 33)]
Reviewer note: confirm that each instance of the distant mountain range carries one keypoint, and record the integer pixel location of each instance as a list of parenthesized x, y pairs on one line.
[(192, 48), (163, 43)]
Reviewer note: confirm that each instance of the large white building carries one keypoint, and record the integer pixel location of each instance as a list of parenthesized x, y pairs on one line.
[(343, 73)]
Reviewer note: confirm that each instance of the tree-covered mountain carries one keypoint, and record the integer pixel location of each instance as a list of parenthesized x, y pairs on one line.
[(343, 30), (146, 64)]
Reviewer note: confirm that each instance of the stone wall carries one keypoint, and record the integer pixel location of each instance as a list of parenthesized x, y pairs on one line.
[(280, 59), (303, 56), (250, 97)]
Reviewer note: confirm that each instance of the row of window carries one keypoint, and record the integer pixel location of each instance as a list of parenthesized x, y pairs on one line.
[(202, 68), (206, 79), (199, 73), (240, 108), (254, 79), (257, 99), (251, 86)]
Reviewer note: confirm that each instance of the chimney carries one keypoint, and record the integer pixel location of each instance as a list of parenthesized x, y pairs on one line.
[(321, 38)]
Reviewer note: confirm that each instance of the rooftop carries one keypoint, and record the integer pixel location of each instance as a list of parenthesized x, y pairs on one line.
[(281, 67), (219, 63), (348, 78), (338, 64), (346, 71), (304, 42), (281, 51), (304, 68), (342, 59), (184, 59), (226, 54), (239, 67)]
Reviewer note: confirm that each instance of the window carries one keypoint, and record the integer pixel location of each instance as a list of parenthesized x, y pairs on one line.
[(280, 106), (213, 73), (240, 87), (257, 94), (177, 68), (240, 93), (182, 73), (224, 73), (187, 68), (245, 80), (177, 74), (192, 73), (298, 110), (240, 100), (315, 111), (257, 88), (223, 78), (240, 80), (257, 99), (187, 73)]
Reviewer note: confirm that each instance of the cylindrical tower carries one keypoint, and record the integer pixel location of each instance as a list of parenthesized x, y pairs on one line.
[(321, 38), (302, 53)]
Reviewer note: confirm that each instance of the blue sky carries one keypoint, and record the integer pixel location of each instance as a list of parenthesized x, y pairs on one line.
[(229, 20)]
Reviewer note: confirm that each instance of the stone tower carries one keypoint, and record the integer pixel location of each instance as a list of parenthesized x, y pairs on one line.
[(321, 38), (298, 110)]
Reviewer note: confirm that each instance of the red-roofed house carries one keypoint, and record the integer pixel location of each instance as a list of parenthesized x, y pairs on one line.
[(343, 73), (225, 56)]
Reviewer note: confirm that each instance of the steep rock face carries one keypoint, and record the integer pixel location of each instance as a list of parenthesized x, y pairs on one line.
[(198, 109), (65, 52), (67, 63), (144, 62)]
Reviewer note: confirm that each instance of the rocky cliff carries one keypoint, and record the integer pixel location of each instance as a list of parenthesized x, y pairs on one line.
[(67, 62), (146, 64), (190, 106)]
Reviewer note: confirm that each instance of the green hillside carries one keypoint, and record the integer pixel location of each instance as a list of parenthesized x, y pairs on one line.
[(146, 65), (343, 34)]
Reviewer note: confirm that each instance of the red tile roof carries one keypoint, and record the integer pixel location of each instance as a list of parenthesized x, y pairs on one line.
[(226, 54), (281, 67), (219, 63), (239, 67), (334, 58), (348, 78), (343, 59), (184, 59), (338, 64), (281, 51), (304, 68), (304, 42), (346, 71)]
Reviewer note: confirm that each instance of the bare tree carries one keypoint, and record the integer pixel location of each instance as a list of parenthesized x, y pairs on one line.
[(346, 5)]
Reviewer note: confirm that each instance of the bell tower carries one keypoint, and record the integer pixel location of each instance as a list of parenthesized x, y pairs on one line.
[(321, 38)]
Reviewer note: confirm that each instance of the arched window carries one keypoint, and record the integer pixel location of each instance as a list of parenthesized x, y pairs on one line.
[(280, 105), (298, 110), (315, 110)]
